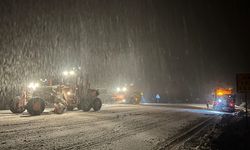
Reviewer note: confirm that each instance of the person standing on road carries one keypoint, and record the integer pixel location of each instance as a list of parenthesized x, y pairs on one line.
[(207, 104), (157, 98)]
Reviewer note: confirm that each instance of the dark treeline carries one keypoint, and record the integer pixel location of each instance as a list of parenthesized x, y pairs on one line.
[(178, 48)]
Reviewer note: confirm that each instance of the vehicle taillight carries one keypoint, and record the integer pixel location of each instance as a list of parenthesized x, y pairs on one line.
[(231, 104)]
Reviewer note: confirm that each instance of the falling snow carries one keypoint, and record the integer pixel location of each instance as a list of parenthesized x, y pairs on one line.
[(177, 48)]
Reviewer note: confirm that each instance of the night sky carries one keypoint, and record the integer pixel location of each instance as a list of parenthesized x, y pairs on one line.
[(178, 48)]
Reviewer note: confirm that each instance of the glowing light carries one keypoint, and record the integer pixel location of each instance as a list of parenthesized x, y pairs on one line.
[(69, 73), (118, 89), (68, 93), (43, 80), (220, 93), (33, 85), (36, 84), (72, 72), (124, 89), (223, 91), (66, 73)]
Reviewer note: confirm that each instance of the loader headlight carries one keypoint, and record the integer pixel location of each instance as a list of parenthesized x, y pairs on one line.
[(65, 73), (124, 89), (68, 93), (72, 72), (69, 73), (33, 85), (118, 89)]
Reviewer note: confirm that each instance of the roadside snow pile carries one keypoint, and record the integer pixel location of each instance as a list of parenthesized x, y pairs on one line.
[(229, 133), (233, 134)]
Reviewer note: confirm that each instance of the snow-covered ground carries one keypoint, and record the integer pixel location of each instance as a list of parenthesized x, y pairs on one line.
[(114, 127)]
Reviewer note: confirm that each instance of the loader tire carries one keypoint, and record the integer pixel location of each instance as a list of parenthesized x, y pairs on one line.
[(97, 104), (59, 108), (35, 106), (14, 108), (86, 105)]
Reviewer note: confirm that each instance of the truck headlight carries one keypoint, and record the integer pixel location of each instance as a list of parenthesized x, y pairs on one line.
[(33, 85)]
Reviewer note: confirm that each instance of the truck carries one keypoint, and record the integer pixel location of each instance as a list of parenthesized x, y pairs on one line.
[(224, 100), (72, 92), (127, 94)]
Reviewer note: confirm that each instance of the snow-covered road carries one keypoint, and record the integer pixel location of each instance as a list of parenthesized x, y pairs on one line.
[(117, 126)]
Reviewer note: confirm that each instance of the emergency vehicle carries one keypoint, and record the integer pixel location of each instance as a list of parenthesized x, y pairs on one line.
[(224, 100)]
